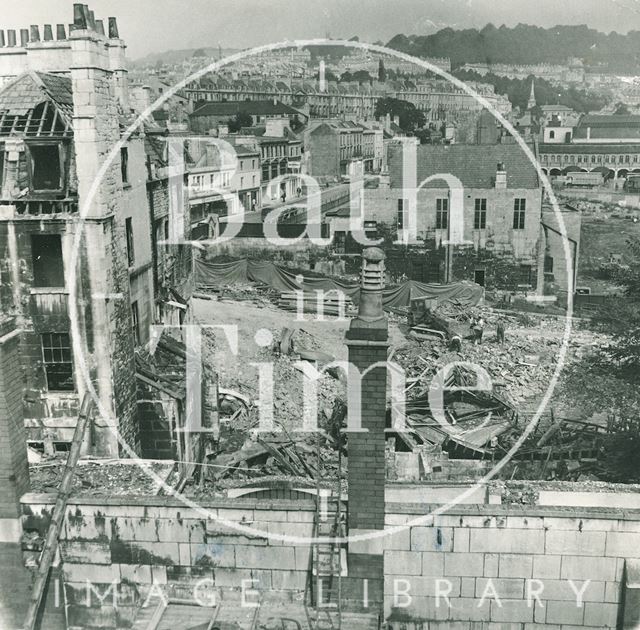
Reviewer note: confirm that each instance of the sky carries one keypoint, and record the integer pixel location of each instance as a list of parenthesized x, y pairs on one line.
[(150, 26)]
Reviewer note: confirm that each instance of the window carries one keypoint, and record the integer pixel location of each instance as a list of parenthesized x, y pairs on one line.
[(442, 214), (402, 204), (552, 134), (135, 323), (480, 214), (46, 257), (56, 356), (253, 163), (265, 172), (46, 172), (128, 225), (519, 207), (124, 164), (548, 264), (241, 182)]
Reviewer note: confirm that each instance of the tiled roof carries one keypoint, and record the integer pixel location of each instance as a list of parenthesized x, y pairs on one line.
[(475, 164), (230, 108)]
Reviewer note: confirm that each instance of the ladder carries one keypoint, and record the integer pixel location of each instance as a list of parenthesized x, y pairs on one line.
[(51, 541), (323, 596)]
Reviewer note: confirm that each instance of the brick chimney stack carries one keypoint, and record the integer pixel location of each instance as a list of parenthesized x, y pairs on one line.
[(367, 339), (14, 468)]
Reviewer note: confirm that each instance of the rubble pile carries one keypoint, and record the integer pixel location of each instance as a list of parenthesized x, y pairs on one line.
[(101, 477)]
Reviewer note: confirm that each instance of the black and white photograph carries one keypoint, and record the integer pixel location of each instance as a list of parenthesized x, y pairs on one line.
[(320, 315)]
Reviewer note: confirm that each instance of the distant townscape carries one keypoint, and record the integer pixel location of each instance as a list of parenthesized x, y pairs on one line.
[(324, 337)]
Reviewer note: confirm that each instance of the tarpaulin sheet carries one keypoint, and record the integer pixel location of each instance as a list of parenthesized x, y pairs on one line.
[(279, 278)]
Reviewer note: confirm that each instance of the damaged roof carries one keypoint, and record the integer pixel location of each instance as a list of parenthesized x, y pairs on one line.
[(37, 104)]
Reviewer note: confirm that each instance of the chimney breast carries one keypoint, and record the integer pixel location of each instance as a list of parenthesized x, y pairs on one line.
[(60, 34), (35, 33), (11, 37), (24, 37), (48, 33), (501, 176), (100, 27), (1, 38)]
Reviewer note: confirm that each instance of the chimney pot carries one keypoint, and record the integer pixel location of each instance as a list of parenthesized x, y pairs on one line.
[(100, 27), (79, 18), (113, 28), (60, 34), (48, 33), (35, 33), (371, 285), (11, 37), (24, 37), (2, 39)]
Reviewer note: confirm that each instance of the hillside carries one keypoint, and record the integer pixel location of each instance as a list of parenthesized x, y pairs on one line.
[(177, 56), (526, 44)]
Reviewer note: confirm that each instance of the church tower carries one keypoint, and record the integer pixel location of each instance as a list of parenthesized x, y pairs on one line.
[(531, 103)]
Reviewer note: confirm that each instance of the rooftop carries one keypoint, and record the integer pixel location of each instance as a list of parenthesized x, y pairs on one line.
[(475, 164), (230, 108), (36, 104)]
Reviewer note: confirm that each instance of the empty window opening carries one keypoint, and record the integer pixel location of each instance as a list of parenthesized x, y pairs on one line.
[(128, 226), (36, 446), (45, 167), (46, 257), (61, 447), (58, 365), (135, 322), (124, 164)]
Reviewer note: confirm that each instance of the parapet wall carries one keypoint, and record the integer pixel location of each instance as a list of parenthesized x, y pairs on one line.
[(513, 567), (476, 566), (140, 547)]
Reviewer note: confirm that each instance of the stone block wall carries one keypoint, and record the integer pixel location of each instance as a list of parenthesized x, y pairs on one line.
[(490, 567), (146, 548)]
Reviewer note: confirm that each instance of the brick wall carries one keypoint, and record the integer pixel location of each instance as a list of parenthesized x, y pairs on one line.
[(507, 554), (14, 471)]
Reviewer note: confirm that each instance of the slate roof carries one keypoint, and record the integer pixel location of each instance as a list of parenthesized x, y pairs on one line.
[(475, 164), (22, 105), (608, 127), (230, 108)]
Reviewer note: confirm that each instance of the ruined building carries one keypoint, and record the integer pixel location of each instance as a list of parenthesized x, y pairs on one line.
[(79, 264)]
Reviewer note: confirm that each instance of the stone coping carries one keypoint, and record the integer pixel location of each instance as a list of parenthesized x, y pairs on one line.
[(309, 506)]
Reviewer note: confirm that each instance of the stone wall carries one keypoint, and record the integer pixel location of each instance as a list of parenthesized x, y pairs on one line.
[(490, 561), (152, 545)]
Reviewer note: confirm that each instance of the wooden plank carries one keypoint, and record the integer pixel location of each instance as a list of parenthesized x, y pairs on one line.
[(51, 541)]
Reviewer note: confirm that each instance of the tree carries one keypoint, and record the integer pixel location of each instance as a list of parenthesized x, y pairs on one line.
[(410, 118), (621, 319), (382, 74), (360, 76), (328, 76), (200, 52), (241, 119)]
